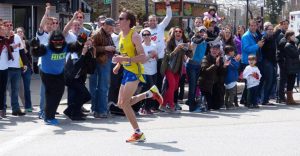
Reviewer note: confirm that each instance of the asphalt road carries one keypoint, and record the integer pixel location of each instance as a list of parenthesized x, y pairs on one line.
[(269, 131)]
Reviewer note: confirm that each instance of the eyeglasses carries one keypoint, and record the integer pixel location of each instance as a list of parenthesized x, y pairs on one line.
[(58, 42), (80, 17), (55, 22), (146, 34), (121, 18), (178, 31)]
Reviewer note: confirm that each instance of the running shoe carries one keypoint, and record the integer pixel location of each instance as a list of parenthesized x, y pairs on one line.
[(156, 95), (53, 122), (136, 138)]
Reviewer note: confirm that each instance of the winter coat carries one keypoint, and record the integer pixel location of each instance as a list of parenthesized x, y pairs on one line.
[(292, 60), (210, 73), (249, 46), (100, 40)]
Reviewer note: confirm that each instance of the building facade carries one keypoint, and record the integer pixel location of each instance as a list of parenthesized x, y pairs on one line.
[(28, 13)]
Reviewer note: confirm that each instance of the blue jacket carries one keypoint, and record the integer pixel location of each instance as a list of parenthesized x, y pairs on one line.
[(232, 74), (249, 46), (200, 49)]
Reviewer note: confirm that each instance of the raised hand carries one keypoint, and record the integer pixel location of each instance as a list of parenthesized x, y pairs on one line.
[(167, 2), (35, 43)]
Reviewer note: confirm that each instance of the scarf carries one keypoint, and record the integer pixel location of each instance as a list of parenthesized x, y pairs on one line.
[(7, 43)]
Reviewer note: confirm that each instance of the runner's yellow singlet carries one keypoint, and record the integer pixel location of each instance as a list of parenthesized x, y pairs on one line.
[(127, 49)]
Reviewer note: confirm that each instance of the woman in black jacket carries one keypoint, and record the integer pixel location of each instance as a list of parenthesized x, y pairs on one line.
[(292, 64), (81, 61)]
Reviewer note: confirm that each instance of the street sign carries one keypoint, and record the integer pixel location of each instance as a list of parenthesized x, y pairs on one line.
[(107, 1)]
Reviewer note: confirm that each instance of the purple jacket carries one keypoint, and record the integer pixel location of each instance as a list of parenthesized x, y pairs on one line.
[(238, 43)]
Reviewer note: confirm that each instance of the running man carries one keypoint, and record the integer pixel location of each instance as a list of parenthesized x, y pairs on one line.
[(132, 56)]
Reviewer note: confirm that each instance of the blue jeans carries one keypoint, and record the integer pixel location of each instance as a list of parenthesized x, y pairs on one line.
[(14, 77), (26, 77), (261, 89), (193, 72), (269, 70), (99, 87)]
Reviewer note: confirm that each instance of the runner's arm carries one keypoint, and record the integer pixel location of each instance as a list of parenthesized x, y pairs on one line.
[(137, 41)]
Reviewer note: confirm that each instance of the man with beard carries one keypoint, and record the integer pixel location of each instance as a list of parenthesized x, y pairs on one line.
[(53, 58)]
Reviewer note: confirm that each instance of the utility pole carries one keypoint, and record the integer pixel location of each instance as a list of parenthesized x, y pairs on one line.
[(247, 15), (181, 14), (114, 9), (146, 8), (234, 28)]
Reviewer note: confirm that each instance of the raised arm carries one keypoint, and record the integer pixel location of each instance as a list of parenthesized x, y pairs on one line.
[(44, 19), (168, 17), (69, 24)]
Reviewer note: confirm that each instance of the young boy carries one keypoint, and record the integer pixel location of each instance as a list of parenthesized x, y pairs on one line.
[(231, 76), (252, 75)]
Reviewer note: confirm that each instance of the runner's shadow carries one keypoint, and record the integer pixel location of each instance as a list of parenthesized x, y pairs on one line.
[(160, 146), (67, 125)]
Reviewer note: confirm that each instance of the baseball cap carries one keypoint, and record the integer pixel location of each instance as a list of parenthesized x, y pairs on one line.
[(201, 29), (109, 21)]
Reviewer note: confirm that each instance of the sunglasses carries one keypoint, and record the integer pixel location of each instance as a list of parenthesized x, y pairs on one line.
[(121, 18), (178, 31), (80, 17), (146, 34), (58, 42)]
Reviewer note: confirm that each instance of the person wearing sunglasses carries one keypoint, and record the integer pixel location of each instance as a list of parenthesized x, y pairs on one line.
[(131, 58), (158, 36), (150, 66), (80, 18), (18, 58), (177, 47), (55, 23)]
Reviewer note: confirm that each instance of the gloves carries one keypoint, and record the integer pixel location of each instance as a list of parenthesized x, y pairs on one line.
[(35, 43)]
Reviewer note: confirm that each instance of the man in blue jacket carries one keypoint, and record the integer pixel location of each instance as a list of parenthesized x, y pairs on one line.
[(251, 43)]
